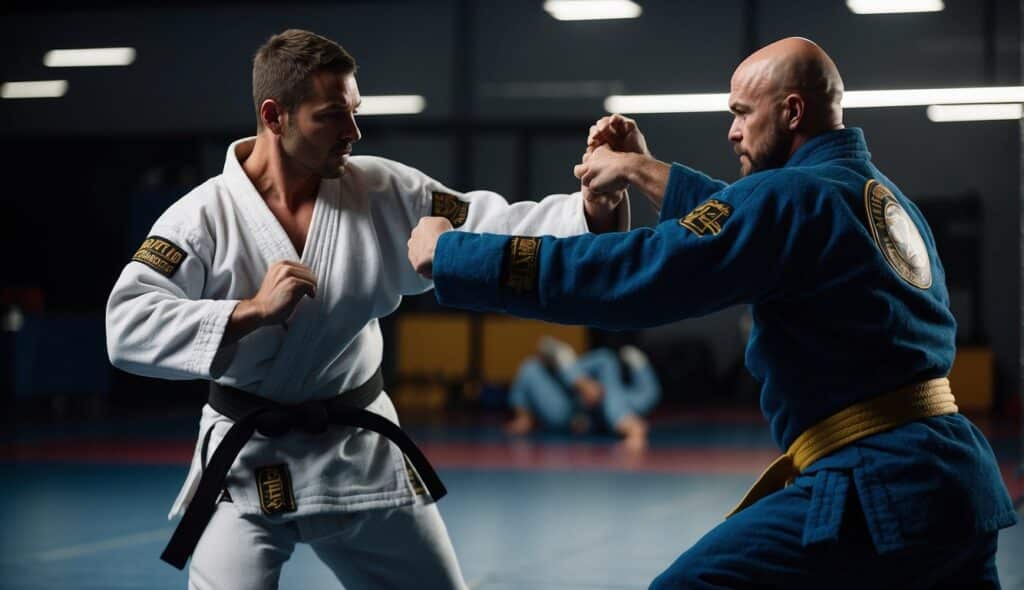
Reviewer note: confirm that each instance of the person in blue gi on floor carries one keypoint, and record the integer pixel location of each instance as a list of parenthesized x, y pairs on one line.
[(852, 336), (598, 391)]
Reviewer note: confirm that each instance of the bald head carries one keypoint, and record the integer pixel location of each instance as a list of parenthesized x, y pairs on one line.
[(782, 95), (799, 66)]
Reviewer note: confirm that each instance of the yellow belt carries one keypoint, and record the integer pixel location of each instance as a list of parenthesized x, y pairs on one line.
[(885, 412)]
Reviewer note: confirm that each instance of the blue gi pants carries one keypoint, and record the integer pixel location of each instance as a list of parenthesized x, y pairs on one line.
[(548, 396), (543, 394), (622, 398), (762, 547)]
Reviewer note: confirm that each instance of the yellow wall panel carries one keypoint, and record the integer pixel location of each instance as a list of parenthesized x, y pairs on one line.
[(508, 341), (433, 345), (971, 378)]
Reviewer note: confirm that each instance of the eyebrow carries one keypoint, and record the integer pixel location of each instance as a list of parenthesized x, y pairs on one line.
[(338, 106), (738, 107)]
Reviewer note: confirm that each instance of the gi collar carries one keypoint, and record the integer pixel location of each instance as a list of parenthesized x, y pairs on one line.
[(831, 145)]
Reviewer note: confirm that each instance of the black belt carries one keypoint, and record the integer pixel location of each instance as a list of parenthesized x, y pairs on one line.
[(251, 413)]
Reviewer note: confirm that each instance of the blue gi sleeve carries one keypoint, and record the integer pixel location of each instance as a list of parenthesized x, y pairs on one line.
[(737, 247), (593, 363), (686, 188)]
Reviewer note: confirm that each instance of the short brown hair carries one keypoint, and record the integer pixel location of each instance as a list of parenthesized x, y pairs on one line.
[(282, 68)]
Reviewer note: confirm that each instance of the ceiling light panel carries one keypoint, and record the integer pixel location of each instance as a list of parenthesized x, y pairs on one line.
[(80, 58), (592, 9)]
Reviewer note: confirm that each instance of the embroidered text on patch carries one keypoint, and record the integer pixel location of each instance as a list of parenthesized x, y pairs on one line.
[(708, 217), (450, 207), (521, 264), (160, 254), (414, 479), (897, 236), (275, 488)]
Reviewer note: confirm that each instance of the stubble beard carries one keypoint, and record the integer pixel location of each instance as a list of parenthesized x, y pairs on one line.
[(304, 153), (774, 155), (334, 165), (332, 170)]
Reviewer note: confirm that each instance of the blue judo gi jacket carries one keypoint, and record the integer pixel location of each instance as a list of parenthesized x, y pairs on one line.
[(849, 302)]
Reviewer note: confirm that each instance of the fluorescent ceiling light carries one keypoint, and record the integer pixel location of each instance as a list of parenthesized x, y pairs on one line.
[(100, 56), (393, 104), (667, 103), (926, 96), (592, 9), (35, 89), (854, 99), (945, 113), (894, 6)]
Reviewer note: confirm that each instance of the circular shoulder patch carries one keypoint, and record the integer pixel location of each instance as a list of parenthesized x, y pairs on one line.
[(897, 236)]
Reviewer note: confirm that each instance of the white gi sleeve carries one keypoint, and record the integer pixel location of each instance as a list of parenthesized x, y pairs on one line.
[(157, 323), (482, 211)]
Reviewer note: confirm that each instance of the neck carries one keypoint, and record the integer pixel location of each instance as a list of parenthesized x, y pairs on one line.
[(277, 177)]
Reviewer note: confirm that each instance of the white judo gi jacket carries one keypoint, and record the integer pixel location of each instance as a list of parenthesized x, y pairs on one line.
[(212, 248)]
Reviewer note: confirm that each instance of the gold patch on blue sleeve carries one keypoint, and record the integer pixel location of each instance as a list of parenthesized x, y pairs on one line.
[(521, 264), (897, 236), (707, 218), (450, 207), (274, 484), (160, 254)]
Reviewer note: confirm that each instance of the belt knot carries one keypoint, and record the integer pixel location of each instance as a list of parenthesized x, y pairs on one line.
[(885, 412), (311, 417)]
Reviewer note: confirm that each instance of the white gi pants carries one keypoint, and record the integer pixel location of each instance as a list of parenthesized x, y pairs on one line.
[(382, 549)]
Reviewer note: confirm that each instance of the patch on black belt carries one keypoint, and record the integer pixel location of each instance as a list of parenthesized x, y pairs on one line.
[(707, 218), (414, 479), (450, 207), (521, 264), (274, 483), (160, 254)]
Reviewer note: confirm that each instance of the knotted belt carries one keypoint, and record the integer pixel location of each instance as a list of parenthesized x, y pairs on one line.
[(885, 412), (251, 413)]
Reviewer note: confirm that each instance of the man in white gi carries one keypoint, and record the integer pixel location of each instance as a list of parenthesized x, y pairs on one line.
[(268, 281)]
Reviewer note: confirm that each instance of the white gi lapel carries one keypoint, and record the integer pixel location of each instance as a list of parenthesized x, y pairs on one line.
[(284, 380), (287, 376)]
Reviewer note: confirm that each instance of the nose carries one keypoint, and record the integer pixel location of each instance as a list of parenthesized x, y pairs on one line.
[(735, 134), (351, 133)]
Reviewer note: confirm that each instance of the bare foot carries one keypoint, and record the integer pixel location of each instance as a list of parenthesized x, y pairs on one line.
[(634, 433), (634, 443), (521, 424)]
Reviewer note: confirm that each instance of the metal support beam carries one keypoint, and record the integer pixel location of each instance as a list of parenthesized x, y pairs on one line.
[(751, 43), (463, 89)]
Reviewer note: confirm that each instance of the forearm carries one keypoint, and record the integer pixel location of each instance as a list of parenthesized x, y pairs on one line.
[(649, 175), (604, 214), (244, 319)]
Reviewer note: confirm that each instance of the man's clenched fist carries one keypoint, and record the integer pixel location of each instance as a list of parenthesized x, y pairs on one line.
[(423, 241), (283, 287)]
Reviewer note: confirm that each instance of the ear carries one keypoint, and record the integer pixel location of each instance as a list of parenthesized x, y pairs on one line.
[(273, 116), (794, 111)]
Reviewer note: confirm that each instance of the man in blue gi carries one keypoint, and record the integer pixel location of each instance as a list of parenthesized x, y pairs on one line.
[(852, 338), (600, 391)]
